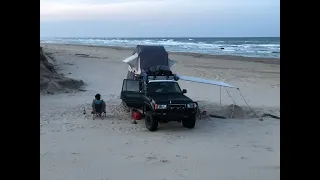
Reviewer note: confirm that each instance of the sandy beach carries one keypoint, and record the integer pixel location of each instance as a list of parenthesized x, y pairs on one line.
[(74, 147)]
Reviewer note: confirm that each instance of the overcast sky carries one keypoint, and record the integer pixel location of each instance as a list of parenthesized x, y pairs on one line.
[(159, 18)]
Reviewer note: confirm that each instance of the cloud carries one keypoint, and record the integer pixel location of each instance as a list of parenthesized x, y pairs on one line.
[(159, 17), (118, 10), (85, 10)]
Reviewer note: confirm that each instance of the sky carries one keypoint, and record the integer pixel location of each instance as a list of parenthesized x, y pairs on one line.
[(159, 18)]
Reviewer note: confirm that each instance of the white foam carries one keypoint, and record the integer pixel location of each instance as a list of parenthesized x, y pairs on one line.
[(176, 45), (230, 50), (269, 45)]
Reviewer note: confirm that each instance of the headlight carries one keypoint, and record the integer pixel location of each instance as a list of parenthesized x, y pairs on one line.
[(160, 106), (192, 105)]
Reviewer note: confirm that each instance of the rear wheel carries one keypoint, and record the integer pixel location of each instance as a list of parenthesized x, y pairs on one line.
[(151, 122), (124, 106), (189, 122)]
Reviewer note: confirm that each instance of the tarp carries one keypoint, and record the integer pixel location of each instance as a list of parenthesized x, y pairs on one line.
[(132, 60), (205, 81)]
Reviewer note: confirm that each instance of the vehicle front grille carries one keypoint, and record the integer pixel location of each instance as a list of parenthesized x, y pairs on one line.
[(177, 107)]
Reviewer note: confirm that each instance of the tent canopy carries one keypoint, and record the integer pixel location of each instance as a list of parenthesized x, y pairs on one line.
[(145, 57), (151, 56)]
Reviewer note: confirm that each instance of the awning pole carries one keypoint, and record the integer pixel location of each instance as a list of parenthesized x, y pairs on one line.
[(220, 96)]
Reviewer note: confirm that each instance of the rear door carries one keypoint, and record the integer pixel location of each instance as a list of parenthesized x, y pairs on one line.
[(131, 94)]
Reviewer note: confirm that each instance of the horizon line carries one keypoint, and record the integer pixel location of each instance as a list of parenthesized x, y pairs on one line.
[(165, 37)]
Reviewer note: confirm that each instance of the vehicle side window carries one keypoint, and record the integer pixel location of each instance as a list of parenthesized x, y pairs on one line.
[(130, 85)]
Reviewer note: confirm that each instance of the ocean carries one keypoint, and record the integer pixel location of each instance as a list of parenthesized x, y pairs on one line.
[(265, 47)]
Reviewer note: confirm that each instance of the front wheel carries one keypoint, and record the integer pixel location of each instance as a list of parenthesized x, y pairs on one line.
[(190, 122), (151, 122)]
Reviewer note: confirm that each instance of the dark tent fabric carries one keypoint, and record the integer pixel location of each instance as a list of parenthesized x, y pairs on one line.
[(151, 56)]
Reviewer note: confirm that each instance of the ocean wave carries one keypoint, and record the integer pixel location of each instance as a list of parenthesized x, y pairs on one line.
[(201, 45)]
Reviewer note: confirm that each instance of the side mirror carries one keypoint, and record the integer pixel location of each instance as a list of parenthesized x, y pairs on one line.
[(184, 91)]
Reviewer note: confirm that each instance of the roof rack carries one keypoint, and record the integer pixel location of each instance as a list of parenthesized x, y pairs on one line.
[(159, 70), (171, 78), (161, 77)]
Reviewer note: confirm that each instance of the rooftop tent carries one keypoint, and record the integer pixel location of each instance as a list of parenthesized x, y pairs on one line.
[(150, 56), (145, 57)]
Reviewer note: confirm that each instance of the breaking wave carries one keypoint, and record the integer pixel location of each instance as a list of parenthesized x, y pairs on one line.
[(252, 47)]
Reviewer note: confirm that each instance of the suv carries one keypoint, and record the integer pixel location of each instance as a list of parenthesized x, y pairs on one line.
[(161, 100)]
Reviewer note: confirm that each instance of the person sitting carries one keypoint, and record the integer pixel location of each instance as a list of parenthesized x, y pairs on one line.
[(98, 105)]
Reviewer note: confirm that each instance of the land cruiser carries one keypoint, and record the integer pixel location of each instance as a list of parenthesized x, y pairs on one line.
[(160, 98)]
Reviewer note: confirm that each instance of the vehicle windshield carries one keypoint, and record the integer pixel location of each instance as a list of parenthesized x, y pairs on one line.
[(163, 87)]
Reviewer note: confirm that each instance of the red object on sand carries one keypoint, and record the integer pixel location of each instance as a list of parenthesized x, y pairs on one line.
[(136, 115)]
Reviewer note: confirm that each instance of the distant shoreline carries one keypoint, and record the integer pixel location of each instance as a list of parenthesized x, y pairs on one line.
[(256, 47), (170, 37), (266, 60)]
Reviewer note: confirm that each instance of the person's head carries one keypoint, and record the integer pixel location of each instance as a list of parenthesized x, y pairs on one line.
[(97, 96)]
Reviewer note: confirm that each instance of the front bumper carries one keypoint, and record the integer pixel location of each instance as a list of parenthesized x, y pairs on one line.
[(173, 116)]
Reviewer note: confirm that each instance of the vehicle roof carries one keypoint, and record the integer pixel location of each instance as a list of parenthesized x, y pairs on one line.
[(151, 81)]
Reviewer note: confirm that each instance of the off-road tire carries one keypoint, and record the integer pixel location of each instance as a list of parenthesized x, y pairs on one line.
[(145, 109), (151, 122), (124, 106), (189, 122)]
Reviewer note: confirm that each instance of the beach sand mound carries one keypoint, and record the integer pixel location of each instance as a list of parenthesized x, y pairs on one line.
[(52, 82), (234, 111)]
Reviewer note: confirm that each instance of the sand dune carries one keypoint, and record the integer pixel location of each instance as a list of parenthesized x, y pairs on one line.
[(52, 82), (73, 146)]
